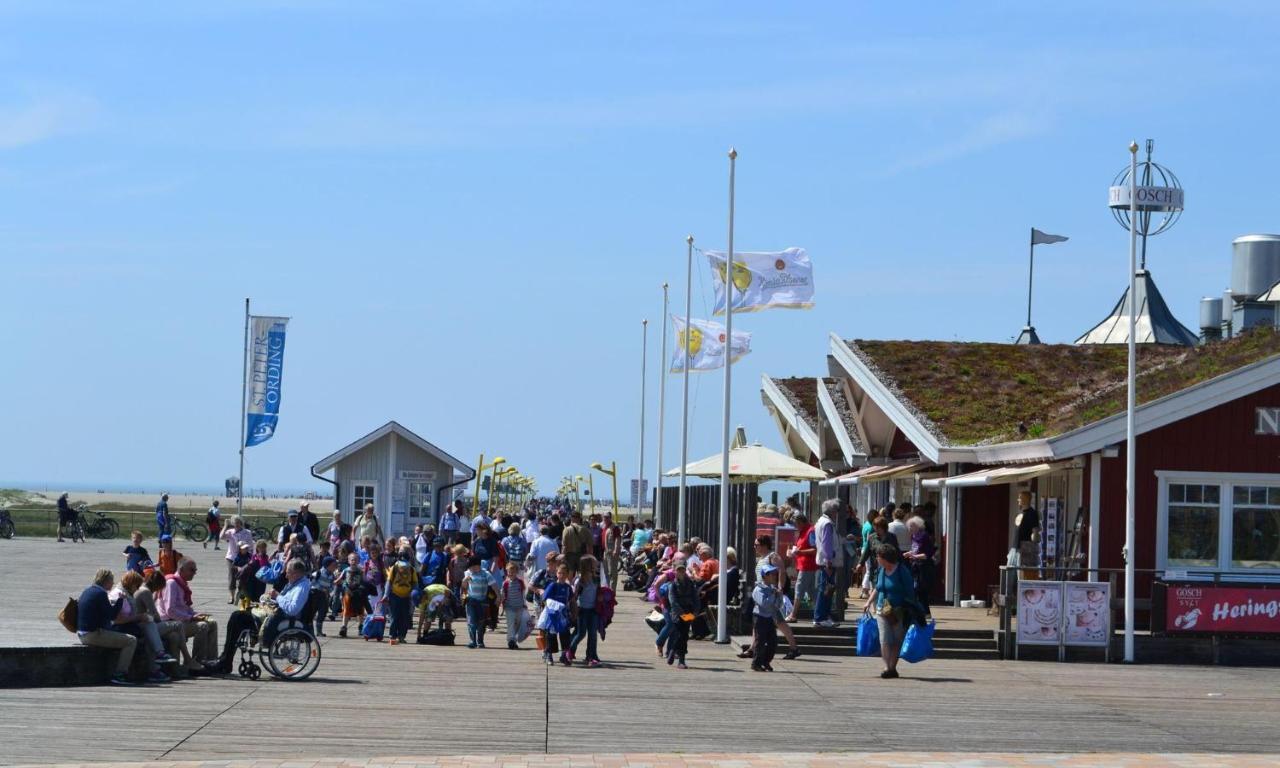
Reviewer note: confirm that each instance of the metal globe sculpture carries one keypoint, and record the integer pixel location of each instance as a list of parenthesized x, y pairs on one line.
[(1160, 199)]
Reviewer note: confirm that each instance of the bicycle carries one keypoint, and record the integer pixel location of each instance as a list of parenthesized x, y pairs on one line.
[(99, 527), (7, 528), (195, 530)]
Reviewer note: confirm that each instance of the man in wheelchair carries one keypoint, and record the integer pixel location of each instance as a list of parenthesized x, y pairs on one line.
[(292, 603)]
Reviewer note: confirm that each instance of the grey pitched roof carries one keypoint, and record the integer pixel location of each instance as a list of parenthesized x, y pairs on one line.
[(1155, 323)]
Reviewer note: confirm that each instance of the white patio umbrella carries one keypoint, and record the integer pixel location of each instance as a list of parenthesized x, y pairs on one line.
[(752, 463)]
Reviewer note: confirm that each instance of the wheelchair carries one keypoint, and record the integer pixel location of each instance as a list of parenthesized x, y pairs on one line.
[(294, 653)]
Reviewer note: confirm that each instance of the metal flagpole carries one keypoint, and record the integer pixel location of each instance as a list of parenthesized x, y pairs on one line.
[(1031, 268), (244, 408), (1130, 449), (644, 361), (682, 528), (662, 407), (722, 611)]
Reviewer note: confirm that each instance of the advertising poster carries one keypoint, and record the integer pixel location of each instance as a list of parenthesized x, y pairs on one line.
[(1087, 612), (1039, 612), (1194, 608)]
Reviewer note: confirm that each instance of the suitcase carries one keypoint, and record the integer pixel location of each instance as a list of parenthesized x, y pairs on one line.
[(373, 628)]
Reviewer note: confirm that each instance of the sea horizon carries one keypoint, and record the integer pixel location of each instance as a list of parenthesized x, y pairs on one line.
[(177, 489)]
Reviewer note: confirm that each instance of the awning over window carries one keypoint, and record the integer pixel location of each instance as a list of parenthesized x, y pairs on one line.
[(997, 475), (878, 472)]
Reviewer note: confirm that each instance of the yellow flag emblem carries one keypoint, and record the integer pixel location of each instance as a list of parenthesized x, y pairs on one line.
[(694, 340), (741, 275)]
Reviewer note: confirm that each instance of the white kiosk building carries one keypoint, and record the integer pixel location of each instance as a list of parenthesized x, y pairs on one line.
[(406, 478)]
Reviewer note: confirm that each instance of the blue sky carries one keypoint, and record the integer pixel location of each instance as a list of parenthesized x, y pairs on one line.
[(467, 208)]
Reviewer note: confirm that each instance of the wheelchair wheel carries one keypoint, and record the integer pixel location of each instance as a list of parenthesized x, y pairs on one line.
[(294, 655), (244, 669), (255, 671)]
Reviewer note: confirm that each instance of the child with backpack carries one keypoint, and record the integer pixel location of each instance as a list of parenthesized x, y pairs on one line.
[(354, 602), (476, 585), (402, 579), (586, 591), (513, 604)]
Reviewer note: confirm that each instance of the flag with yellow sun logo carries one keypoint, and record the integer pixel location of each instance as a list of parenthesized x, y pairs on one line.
[(764, 280), (706, 345)]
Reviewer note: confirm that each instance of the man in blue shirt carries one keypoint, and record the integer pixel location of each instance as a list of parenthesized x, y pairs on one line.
[(95, 619), (290, 602), (162, 517)]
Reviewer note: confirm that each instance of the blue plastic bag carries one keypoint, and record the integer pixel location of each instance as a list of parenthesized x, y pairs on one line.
[(918, 644), (868, 636), (270, 572)]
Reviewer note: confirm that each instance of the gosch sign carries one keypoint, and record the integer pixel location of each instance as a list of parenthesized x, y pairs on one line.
[(1222, 609)]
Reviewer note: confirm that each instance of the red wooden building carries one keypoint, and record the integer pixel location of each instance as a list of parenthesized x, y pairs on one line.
[(970, 425)]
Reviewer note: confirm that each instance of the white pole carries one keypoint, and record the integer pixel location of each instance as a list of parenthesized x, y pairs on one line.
[(722, 612), (244, 408), (1130, 449), (662, 406), (644, 360), (682, 529)]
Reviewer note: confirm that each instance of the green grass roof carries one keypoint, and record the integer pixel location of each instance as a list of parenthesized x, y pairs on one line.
[(802, 393), (979, 393)]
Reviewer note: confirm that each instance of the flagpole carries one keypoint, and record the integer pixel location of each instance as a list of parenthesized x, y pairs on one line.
[(681, 528), (644, 360), (662, 406), (722, 611), (1031, 268), (244, 407), (1130, 449)]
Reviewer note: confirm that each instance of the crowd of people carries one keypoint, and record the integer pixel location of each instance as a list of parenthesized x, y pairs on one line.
[(546, 571)]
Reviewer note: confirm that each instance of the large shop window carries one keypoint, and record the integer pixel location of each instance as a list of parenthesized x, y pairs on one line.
[(1221, 522)]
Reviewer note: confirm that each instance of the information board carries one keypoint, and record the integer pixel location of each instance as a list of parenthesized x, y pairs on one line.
[(1039, 612)]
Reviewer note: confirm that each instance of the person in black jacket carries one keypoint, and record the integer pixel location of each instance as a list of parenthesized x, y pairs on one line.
[(95, 618)]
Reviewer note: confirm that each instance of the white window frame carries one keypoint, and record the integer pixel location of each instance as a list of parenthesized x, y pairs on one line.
[(358, 509), (430, 482), (1226, 516)]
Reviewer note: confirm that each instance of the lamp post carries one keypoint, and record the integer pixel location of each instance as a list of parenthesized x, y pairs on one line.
[(577, 491), (480, 468), (612, 472)]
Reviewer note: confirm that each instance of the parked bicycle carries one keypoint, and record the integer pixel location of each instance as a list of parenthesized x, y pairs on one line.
[(7, 528), (194, 529), (94, 523)]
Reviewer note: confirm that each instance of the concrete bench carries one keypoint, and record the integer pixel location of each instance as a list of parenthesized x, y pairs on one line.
[(39, 667)]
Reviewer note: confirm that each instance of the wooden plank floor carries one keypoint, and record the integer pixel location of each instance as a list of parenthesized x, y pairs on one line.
[(374, 699)]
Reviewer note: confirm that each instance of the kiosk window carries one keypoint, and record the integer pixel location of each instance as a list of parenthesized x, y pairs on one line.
[(1193, 525), (1255, 526)]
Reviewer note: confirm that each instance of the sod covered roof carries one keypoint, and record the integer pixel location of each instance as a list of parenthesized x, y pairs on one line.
[(802, 393), (980, 393)]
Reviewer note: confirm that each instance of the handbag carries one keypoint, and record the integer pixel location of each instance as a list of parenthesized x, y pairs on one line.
[(69, 616)]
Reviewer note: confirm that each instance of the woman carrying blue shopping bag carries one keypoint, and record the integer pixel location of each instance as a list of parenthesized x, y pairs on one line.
[(893, 596)]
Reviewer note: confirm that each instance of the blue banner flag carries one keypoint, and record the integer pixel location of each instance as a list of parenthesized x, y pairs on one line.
[(266, 369)]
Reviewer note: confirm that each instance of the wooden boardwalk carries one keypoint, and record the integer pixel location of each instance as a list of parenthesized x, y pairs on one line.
[(374, 699)]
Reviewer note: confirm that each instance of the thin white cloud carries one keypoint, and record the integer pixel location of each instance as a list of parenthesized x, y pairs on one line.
[(43, 119), (988, 133)]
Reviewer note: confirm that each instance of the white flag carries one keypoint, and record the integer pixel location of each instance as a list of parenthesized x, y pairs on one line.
[(1041, 238), (762, 280), (706, 345)]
